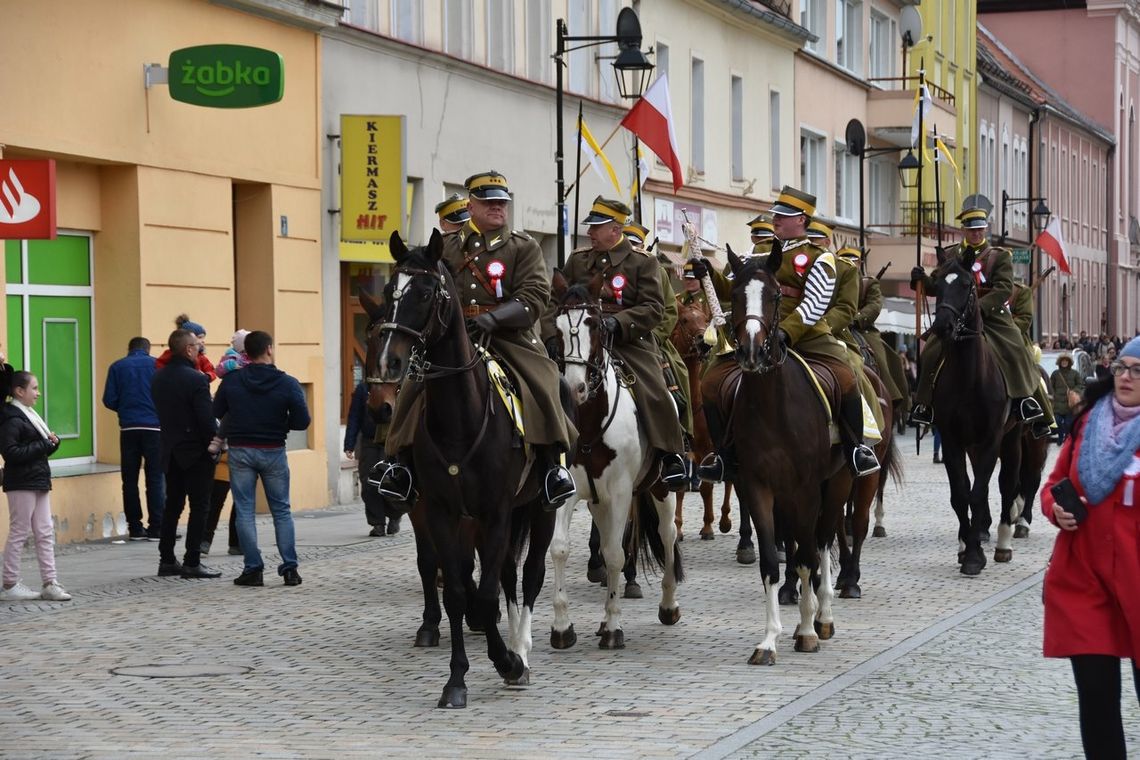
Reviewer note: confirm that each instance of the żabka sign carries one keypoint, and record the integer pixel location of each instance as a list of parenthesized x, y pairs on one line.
[(27, 199), (226, 76)]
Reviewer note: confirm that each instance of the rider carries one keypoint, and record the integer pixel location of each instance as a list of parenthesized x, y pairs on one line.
[(453, 213), (762, 233), (633, 307), (993, 271), (890, 369), (503, 285)]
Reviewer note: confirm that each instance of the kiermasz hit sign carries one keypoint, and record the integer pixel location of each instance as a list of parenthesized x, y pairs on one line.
[(372, 178)]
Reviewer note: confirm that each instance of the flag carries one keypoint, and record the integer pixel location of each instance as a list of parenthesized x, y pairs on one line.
[(641, 175), (942, 153), (651, 119), (1053, 244), (595, 155), (921, 95)]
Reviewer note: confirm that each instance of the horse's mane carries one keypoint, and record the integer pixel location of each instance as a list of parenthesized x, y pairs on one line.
[(575, 295)]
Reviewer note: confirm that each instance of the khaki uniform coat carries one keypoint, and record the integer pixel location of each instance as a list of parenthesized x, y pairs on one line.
[(525, 280), (639, 314), (810, 341), (891, 370), (669, 352)]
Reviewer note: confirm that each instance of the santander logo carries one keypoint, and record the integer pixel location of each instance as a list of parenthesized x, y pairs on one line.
[(16, 204)]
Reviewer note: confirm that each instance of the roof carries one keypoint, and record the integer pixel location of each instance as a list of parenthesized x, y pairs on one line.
[(759, 10), (1001, 67)]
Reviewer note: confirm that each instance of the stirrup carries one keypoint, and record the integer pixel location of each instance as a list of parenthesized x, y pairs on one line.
[(711, 468), (1029, 410), (563, 487), (921, 414), (400, 493), (1040, 430), (676, 481), (865, 452)]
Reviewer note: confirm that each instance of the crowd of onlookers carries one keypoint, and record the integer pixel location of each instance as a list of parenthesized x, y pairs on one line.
[(1094, 345)]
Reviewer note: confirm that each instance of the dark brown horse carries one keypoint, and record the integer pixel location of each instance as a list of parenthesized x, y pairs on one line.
[(787, 460), (470, 466)]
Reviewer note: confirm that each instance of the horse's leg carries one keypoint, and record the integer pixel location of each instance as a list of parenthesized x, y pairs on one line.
[(562, 634), (707, 532), (495, 551), (678, 515), (611, 516), (1009, 477), (668, 611), (595, 565), (865, 491), (427, 564), (788, 593), (726, 509), (758, 503), (880, 531), (845, 530), (509, 579), (954, 460), (983, 462), (807, 560), (830, 527), (450, 547), (745, 547), (534, 574)]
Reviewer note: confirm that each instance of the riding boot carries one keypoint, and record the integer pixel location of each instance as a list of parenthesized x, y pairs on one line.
[(861, 456), (393, 478), (922, 414), (674, 474), (557, 484), (1028, 409), (720, 465)]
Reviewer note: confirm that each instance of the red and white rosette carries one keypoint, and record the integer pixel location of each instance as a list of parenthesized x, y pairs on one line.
[(800, 262), (977, 270), (495, 271), (617, 284)]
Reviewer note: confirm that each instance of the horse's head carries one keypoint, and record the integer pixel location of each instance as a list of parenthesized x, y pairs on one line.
[(688, 335), (578, 320), (419, 306), (956, 293), (381, 396), (756, 310)]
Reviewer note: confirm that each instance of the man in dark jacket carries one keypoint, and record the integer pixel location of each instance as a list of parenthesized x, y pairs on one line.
[(182, 398), (364, 442), (260, 405), (127, 392)]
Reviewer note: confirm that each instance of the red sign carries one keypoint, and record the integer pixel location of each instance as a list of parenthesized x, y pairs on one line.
[(27, 199)]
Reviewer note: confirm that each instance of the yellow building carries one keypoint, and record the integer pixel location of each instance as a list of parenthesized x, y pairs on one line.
[(163, 207)]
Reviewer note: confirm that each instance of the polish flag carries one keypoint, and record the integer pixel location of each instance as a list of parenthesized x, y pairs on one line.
[(1053, 244), (651, 119)]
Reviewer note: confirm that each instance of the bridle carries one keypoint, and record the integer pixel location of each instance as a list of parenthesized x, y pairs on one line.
[(695, 341), (596, 367), (960, 331), (772, 353)]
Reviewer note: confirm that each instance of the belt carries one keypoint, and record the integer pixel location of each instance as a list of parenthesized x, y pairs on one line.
[(474, 310), (612, 308), (791, 292)]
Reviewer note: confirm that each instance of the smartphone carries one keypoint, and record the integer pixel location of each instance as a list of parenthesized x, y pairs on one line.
[(1065, 494)]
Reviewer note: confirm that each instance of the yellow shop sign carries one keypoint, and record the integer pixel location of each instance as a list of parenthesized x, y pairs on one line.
[(372, 179)]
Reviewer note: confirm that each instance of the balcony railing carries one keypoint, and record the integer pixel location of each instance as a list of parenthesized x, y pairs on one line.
[(911, 83), (911, 222)]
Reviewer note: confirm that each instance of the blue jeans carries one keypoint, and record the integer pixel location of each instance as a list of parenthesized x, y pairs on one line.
[(246, 464), (139, 448), (1063, 423)]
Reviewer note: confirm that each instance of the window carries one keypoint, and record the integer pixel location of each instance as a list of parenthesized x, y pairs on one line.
[(882, 47), (364, 13), (848, 35), (813, 166), (501, 35), (846, 183), (1004, 176), (457, 28), (662, 59), (407, 21), (538, 44), (580, 61), (774, 138), (607, 23), (737, 118), (697, 116), (812, 17), (883, 191)]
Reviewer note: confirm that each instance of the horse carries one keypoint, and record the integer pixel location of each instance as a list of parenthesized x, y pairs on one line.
[(971, 379), (688, 338), (787, 460), (470, 464), (613, 467)]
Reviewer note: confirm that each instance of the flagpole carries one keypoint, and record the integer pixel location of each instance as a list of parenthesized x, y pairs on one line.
[(577, 188), (636, 180), (937, 188), (918, 295)]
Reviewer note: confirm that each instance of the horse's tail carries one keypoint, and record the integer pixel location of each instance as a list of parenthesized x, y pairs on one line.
[(648, 537), (520, 532), (892, 465)]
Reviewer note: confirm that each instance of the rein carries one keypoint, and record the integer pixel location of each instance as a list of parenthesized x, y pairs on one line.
[(960, 330), (770, 347)]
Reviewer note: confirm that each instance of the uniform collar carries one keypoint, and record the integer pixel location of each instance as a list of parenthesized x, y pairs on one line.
[(618, 253), (492, 239)]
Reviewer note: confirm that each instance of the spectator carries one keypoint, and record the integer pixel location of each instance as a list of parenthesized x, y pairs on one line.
[(1092, 609), (1102, 366), (1055, 345), (218, 494), (182, 397), (362, 442), (260, 405), (127, 392), (205, 366), (26, 443), (1067, 386), (232, 360)]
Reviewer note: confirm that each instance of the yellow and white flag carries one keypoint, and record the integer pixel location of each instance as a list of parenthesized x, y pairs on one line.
[(942, 153), (922, 100), (641, 176), (596, 157)]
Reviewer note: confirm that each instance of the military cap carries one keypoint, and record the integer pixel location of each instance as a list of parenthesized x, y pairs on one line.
[(849, 252), (488, 186), (454, 209), (793, 202), (818, 230), (974, 218), (687, 271), (762, 227), (636, 233), (606, 210)]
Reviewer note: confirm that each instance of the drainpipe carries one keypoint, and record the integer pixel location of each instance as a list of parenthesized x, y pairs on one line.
[(1112, 259), (1034, 117)]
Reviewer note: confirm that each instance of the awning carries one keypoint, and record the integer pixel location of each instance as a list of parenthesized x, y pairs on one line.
[(897, 316)]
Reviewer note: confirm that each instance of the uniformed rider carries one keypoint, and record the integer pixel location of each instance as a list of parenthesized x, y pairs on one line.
[(504, 287), (633, 307), (452, 213), (887, 363), (993, 271)]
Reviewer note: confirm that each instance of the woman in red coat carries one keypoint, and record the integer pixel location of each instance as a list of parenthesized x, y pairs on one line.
[(205, 366), (1092, 584)]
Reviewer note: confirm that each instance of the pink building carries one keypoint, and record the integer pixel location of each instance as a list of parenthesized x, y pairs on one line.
[(1097, 70)]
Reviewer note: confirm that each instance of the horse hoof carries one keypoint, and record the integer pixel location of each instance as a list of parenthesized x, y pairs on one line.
[(707, 533), (1003, 555), (824, 630), (511, 667), (632, 591), (523, 680), (807, 644), (563, 639), (746, 555), (1021, 531), (454, 698), (596, 574), (669, 617), (612, 640), (879, 532), (601, 629), (961, 556), (680, 536), (787, 595), (725, 524), (973, 565), (763, 657), (427, 636), (851, 591)]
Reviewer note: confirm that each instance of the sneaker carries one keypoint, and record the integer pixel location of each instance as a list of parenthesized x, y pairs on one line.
[(292, 577), (154, 535), (250, 578), (377, 531), (138, 536), (53, 592), (235, 550), (18, 593)]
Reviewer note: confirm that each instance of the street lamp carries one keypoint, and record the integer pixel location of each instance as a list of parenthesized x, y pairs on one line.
[(909, 164), (857, 146), (631, 68), (1040, 213)]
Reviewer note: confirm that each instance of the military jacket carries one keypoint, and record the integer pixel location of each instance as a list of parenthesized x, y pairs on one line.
[(1021, 308), (807, 278), (844, 302), (522, 277), (993, 270), (870, 305)]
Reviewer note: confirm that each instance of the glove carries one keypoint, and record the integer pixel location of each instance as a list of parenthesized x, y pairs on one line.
[(611, 325), (917, 275), (782, 337), (700, 268), (486, 322), (553, 347)]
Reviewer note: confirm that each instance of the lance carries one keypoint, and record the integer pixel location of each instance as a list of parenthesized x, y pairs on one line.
[(883, 271), (691, 251)]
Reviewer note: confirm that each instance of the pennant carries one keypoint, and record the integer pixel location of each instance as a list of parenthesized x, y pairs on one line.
[(1053, 244), (942, 153), (595, 155), (651, 119), (921, 96)]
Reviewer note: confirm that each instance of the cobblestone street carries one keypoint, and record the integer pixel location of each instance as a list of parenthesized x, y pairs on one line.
[(928, 663)]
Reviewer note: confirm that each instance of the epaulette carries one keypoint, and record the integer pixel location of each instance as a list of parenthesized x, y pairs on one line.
[(520, 233), (794, 244), (642, 251), (587, 249)]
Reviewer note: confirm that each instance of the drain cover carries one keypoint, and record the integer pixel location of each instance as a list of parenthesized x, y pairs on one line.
[(195, 670)]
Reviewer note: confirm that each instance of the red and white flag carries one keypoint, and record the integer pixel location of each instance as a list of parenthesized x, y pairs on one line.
[(651, 119), (1053, 244)]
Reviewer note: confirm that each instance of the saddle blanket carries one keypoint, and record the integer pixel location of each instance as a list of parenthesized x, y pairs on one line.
[(871, 433), (505, 387)]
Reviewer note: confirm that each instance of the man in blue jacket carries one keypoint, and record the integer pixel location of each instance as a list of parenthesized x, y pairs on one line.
[(127, 392), (260, 405)]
